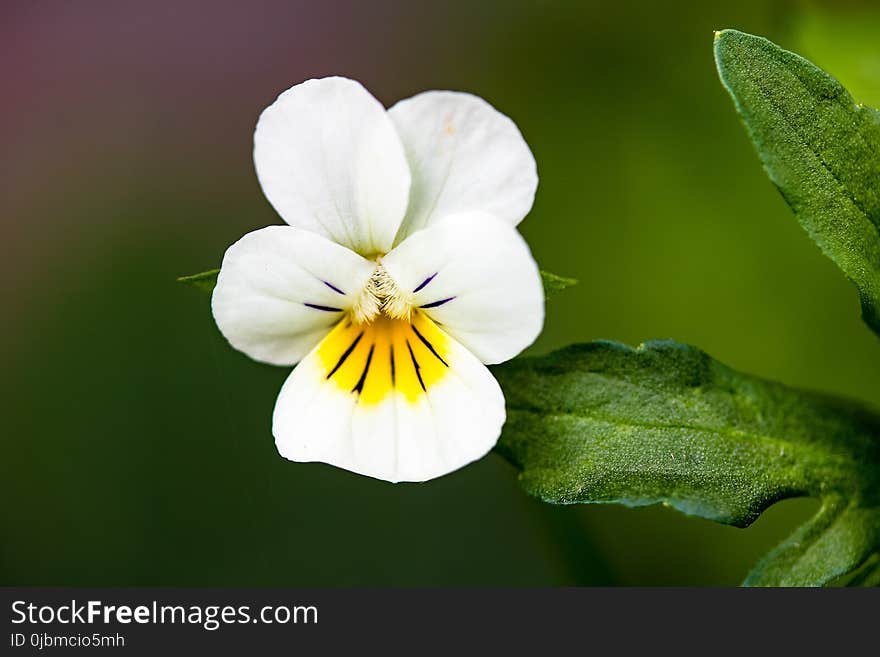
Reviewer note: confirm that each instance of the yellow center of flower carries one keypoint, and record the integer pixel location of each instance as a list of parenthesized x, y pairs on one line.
[(385, 354)]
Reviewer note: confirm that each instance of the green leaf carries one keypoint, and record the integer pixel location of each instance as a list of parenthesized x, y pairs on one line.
[(818, 146), (665, 423), (835, 542), (206, 281), (553, 283), (868, 574)]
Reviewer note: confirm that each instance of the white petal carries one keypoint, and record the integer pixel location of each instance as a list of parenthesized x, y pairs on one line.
[(474, 275), (281, 289), (405, 426), (330, 161), (464, 155)]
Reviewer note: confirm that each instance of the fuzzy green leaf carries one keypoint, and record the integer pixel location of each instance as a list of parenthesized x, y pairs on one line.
[(836, 541), (206, 281), (665, 423), (820, 149)]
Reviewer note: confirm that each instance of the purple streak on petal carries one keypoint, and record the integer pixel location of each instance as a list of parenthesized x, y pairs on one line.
[(333, 287), (434, 304), (425, 282), (325, 308)]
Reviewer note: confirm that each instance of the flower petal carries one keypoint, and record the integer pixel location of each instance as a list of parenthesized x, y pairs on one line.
[(474, 275), (330, 161), (464, 155), (380, 400), (281, 289)]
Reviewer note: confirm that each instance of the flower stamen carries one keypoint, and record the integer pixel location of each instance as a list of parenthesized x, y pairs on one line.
[(382, 296)]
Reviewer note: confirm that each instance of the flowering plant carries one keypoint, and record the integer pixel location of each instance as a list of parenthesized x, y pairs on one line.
[(401, 276)]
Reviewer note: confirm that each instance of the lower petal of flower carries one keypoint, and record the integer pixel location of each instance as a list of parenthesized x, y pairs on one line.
[(395, 400)]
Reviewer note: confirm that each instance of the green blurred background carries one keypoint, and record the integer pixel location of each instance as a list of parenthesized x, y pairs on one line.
[(137, 445)]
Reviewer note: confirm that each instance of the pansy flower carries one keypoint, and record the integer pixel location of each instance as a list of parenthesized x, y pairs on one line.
[(399, 276)]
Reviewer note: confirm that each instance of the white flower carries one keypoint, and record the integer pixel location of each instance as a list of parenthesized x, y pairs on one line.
[(400, 274)]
